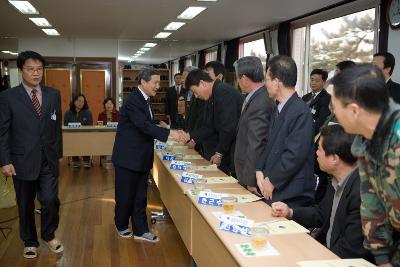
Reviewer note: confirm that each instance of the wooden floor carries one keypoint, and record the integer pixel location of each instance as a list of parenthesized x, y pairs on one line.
[(87, 229)]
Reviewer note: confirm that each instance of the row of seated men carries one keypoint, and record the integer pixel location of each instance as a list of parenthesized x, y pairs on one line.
[(291, 150)]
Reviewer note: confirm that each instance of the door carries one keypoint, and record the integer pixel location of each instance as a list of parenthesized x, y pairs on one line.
[(93, 86), (60, 79)]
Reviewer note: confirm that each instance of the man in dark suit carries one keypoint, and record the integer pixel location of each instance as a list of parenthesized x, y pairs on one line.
[(194, 115), (30, 149), (285, 170), (173, 93), (216, 70), (254, 121), (338, 214), (195, 119), (133, 154), (318, 99), (221, 116), (386, 61)]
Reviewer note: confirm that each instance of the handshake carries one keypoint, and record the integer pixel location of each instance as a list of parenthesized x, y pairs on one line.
[(181, 137)]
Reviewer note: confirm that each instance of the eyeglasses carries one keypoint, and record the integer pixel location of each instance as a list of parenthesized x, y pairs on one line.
[(33, 70)]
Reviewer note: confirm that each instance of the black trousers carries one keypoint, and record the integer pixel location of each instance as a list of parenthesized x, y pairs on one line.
[(46, 188), (131, 200)]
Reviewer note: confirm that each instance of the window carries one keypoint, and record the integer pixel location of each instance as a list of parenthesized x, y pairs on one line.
[(346, 38), (254, 46), (324, 44), (211, 55), (190, 60), (298, 48), (174, 70)]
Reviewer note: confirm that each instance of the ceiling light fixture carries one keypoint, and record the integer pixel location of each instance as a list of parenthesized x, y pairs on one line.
[(191, 12), (145, 49), (24, 7), (162, 35), (173, 26), (41, 22), (51, 32), (149, 45)]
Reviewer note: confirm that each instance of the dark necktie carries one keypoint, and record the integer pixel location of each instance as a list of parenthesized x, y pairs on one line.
[(177, 90), (313, 95), (35, 102)]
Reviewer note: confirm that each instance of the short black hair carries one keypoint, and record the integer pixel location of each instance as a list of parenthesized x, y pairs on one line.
[(195, 76), (24, 56), (217, 67), (146, 73), (283, 68), (388, 62), (177, 74), (342, 65), (250, 66), (72, 104), (362, 84), (108, 99), (323, 73), (335, 141)]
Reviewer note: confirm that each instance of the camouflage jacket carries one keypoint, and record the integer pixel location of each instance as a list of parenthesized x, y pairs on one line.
[(379, 165)]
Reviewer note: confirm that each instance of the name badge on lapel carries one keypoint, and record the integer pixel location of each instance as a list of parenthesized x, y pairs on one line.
[(53, 115)]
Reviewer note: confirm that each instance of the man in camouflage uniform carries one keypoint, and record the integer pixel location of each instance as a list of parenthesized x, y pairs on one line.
[(362, 106)]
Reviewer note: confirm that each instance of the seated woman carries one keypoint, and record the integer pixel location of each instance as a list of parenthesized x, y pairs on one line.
[(79, 112), (110, 114)]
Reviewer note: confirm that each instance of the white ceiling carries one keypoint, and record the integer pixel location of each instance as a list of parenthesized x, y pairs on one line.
[(133, 22)]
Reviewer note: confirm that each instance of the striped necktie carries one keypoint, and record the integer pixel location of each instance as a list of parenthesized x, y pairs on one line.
[(35, 102)]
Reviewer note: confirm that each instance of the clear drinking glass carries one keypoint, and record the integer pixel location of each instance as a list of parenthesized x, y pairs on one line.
[(200, 184), (228, 204), (259, 237)]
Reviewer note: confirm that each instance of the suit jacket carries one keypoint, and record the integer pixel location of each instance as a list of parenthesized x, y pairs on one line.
[(319, 108), (171, 102), (288, 157), (221, 116), (136, 131), (195, 113), (103, 117), (394, 90), (25, 137), (252, 135), (346, 237)]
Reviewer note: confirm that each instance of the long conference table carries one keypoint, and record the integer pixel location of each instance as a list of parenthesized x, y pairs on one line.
[(198, 227)]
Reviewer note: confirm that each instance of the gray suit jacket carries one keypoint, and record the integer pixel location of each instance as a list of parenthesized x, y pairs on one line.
[(252, 135), (25, 137)]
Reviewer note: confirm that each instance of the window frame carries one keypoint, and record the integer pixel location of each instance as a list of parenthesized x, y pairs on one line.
[(341, 11)]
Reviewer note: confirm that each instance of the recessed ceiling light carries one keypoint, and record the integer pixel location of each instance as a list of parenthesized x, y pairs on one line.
[(41, 22), (14, 53), (6, 51), (145, 49), (52, 32), (149, 45), (173, 26), (24, 7), (191, 12), (162, 35)]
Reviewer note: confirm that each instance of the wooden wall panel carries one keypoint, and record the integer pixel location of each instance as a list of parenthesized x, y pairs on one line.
[(93, 86), (60, 79)]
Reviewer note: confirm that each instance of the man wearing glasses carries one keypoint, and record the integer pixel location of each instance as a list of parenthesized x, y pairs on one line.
[(30, 149)]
